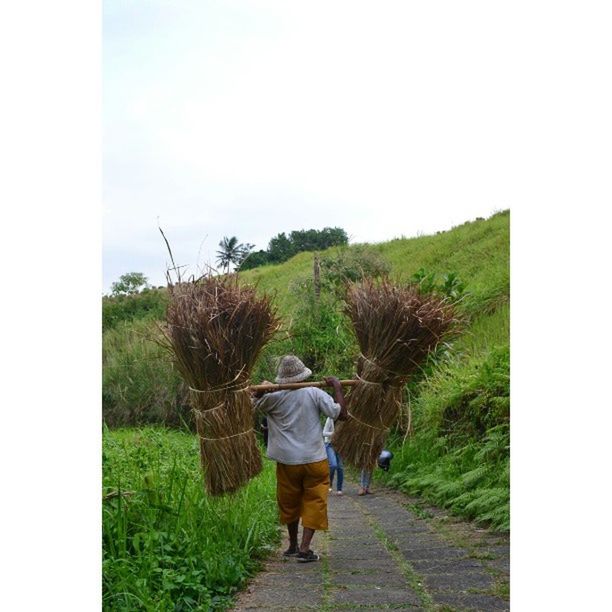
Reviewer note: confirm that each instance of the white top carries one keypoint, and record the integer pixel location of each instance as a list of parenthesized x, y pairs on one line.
[(328, 430), (295, 436)]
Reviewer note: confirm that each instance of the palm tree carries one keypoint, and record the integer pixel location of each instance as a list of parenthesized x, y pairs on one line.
[(231, 252)]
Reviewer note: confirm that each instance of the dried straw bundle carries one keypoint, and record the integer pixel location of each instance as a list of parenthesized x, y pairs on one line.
[(216, 328), (396, 328)]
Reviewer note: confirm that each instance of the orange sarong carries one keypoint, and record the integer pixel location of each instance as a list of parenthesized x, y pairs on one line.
[(301, 491)]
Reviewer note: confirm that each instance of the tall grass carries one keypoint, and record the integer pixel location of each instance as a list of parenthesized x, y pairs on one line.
[(139, 384), (168, 546)]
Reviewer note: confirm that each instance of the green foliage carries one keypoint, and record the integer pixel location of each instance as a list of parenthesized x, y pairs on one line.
[(317, 240), (148, 304), (450, 285), (166, 545), (129, 283)]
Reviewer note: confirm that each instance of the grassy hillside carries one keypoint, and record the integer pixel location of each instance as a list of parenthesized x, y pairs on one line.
[(478, 252), (457, 452)]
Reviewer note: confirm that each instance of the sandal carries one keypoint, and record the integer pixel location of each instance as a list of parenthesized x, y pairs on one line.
[(291, 552), (307, 557)]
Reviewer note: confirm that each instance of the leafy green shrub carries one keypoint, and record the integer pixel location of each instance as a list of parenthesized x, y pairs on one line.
[(166, 545), (450, 285), (351, 265)]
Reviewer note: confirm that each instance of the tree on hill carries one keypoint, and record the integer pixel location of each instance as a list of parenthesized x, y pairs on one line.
[(254, 259), (232, 252), (129, 283), (283, 247), (247, 248), (314, 240)]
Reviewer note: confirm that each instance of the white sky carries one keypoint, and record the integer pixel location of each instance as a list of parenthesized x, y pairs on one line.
[(254, 118)]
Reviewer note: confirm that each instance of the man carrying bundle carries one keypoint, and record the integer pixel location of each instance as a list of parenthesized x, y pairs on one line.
[(295, 442)]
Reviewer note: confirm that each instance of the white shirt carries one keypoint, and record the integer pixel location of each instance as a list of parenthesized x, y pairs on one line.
[(328, 430), (295, 436)]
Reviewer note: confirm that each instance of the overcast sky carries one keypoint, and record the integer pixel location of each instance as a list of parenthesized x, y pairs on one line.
[(254, 118)]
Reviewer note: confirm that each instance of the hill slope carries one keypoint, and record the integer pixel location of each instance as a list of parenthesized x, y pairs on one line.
[(478, 252)]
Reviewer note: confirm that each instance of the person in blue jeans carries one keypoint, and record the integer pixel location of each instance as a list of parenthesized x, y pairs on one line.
[(384, 463), (335, 463), (364, 481)]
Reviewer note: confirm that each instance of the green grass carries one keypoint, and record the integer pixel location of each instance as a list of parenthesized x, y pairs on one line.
[(167, 545)]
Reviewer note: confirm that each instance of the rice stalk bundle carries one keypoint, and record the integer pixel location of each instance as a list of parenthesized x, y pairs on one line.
[(396, 328), (215, 329)]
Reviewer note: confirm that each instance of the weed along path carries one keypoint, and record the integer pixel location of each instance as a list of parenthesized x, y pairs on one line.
[(388, 551)]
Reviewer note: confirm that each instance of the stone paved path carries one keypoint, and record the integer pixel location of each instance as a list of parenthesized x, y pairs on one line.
[(388, 551)]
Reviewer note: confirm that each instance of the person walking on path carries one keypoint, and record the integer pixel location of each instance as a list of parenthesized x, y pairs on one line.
[(295, 442), (364, 482), (365, 478), (333, 458)]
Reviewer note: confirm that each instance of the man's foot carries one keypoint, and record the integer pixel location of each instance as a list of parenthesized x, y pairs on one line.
[(307, 557), (339, 493), (362, 491), (292, 551)]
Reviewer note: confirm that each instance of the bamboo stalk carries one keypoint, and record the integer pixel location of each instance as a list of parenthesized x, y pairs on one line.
[(300, 385)]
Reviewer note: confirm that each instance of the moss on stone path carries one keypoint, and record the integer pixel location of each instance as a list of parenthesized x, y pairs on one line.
[(388, 551)]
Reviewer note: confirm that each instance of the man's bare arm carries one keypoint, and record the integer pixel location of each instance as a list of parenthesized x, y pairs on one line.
[(332, 381)]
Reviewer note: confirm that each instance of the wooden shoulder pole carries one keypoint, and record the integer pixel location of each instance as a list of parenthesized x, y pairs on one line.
[(300, 385)]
